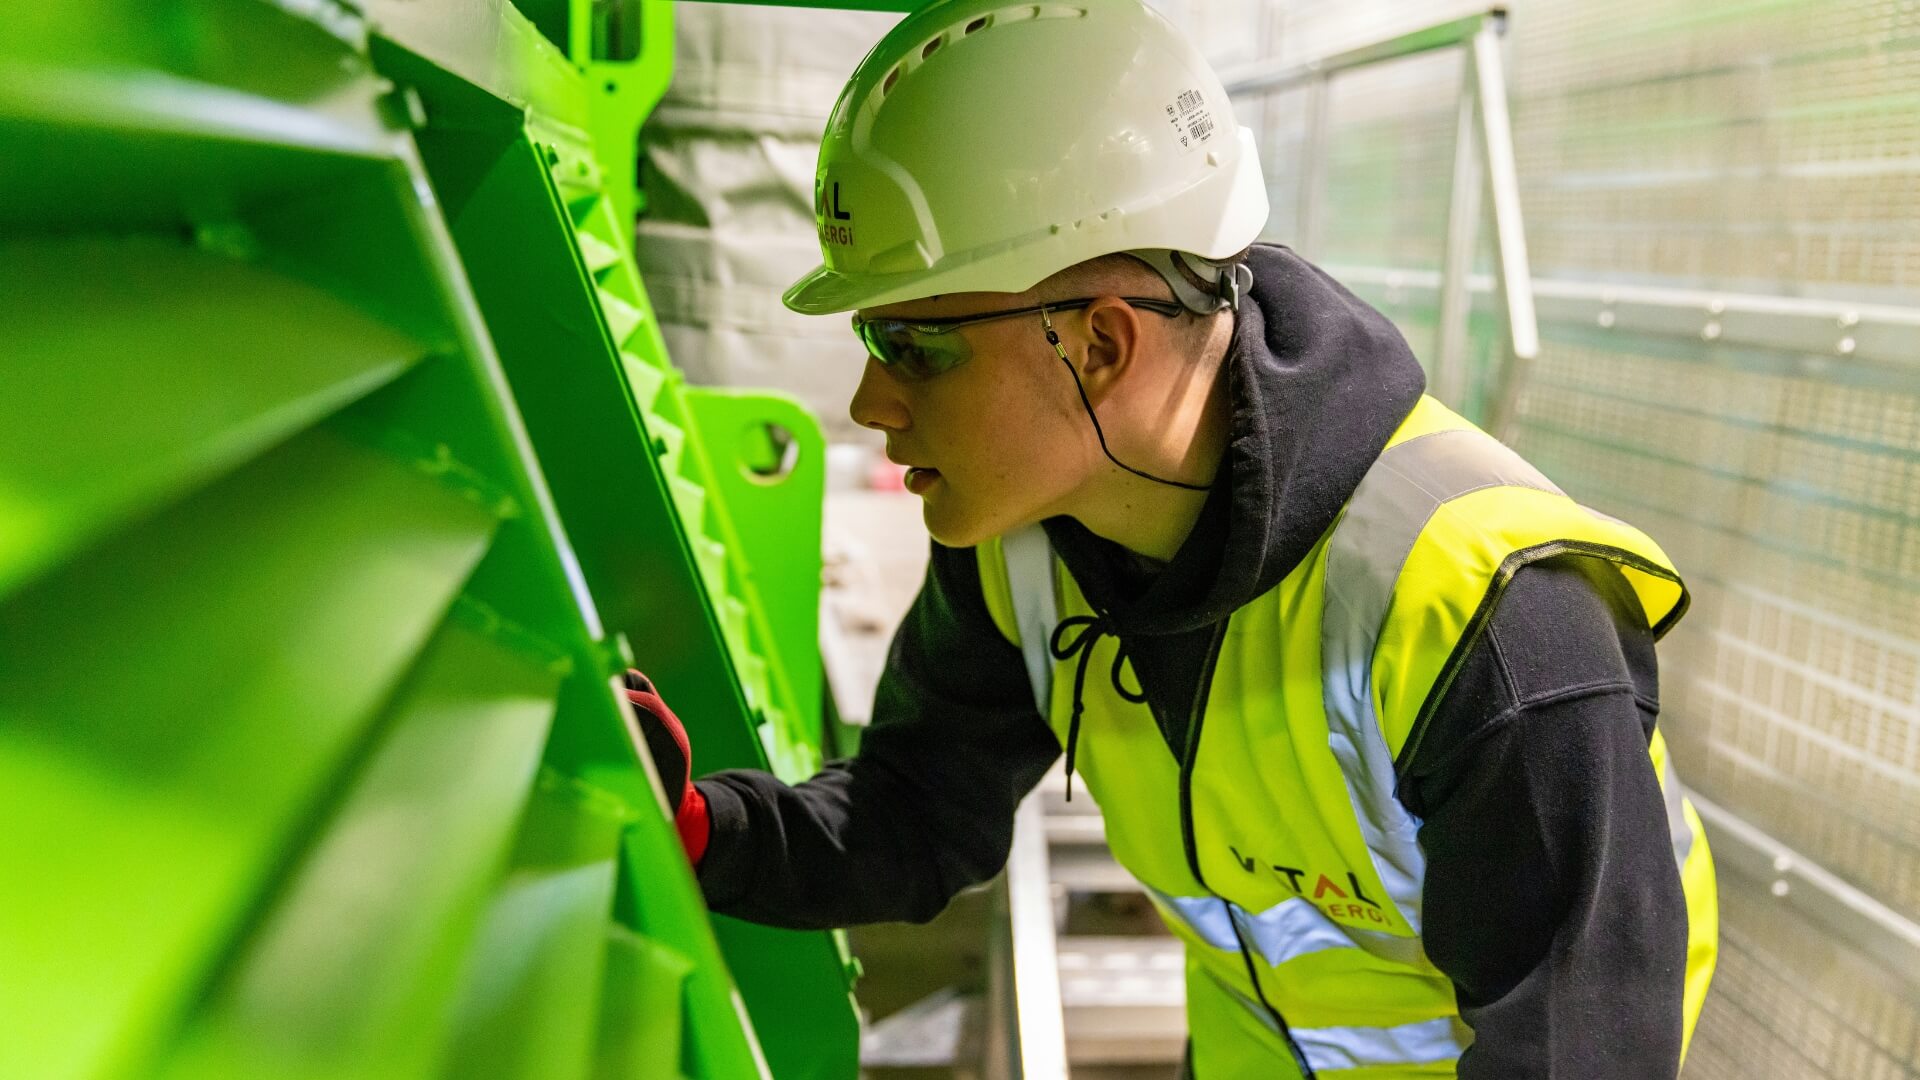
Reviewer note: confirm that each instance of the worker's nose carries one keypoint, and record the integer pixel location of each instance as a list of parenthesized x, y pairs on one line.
[(877, 402)]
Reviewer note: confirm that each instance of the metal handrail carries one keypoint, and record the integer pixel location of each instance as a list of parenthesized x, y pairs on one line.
[(1483, 149), (1881, 934), (1882, 334), (1027, 1035), (1275, 75)]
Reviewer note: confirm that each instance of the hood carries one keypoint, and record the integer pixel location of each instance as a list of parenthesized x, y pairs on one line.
[(1319, 381)]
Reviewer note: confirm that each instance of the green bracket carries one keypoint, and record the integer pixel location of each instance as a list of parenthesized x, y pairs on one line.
[(630, 64), (769, 467)]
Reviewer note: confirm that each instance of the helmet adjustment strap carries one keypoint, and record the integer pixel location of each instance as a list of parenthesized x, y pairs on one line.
[(1203, 286)]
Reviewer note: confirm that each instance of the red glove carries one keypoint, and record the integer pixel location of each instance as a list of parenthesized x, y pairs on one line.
[(673, 757)]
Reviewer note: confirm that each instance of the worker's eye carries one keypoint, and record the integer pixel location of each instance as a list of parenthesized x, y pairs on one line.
[(911, 353)]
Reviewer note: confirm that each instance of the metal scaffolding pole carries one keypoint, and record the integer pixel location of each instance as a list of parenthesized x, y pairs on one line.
[(1463, 234), (1026, 1024), (1484, 149), (1510, 236)]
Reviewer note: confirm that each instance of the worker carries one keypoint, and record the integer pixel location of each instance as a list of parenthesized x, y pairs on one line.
[(1368, 703)]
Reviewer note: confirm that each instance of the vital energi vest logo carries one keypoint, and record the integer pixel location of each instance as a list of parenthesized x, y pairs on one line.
[(1326, 894)]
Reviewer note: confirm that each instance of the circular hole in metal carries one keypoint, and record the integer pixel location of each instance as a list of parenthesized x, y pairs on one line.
[(768, 452), (892, 77), (932, 47), (977, 24)]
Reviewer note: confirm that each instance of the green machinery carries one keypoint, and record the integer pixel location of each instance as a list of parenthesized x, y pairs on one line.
[(342, 471)]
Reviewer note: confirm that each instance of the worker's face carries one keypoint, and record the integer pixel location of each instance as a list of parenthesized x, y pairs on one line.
[(993, 441)]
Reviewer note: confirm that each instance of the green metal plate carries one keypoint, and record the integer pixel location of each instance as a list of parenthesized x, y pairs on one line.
[(149, 723), (307, 355), (130, 386), (351, 970)]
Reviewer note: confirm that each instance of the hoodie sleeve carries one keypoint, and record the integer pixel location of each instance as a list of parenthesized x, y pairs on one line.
[(925, 808), (1552, 899)]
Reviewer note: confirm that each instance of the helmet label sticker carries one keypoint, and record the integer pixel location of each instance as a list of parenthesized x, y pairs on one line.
[(829, 215), (1191, 120)]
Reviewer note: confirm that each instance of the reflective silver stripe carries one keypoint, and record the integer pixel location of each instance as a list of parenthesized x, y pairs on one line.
[(1294, 928), (1677, 826), (1029, 560), (1393, 503), (1423, 1042), (1287, 931), (1206, 916)]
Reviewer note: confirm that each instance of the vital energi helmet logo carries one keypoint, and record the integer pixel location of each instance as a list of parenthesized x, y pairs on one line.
[(830, 216)]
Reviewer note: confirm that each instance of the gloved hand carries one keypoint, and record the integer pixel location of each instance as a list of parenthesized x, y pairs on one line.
[(673, 756)]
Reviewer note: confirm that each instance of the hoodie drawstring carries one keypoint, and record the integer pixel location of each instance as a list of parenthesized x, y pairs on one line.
[(1091, 629)]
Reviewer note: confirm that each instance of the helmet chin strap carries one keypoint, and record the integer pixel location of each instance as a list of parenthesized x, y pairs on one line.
[(1203, 286), (1060, 350)]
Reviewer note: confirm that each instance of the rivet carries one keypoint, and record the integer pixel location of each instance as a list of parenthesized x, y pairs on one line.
[(1846, 346), (1780, 888), (1710, 332), (1606, 320)]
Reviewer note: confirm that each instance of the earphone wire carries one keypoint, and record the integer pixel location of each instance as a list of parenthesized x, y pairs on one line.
[(1053, 338)]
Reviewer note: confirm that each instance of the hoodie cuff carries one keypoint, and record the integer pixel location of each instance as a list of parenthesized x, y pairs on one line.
[(723, 865), (693, 824)]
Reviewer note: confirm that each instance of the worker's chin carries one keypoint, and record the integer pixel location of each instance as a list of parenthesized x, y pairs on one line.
[(951, 534), (951, 525), (955, 525)]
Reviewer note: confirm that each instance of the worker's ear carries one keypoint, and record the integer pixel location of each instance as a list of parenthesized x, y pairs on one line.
[(1114, 340)]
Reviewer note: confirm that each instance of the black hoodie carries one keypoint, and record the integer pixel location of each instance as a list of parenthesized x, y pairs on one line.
[(1551, 896)]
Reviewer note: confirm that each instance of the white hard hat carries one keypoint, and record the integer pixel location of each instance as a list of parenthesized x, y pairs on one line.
[(984, 146)]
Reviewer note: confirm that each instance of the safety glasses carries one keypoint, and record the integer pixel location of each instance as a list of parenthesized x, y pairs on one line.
[(917, 349)]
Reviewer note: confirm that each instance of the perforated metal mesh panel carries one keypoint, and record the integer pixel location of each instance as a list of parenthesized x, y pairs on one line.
[(1790, 692), (1788, 1005), (1761, 147), (1756, 144), (1769, 146)]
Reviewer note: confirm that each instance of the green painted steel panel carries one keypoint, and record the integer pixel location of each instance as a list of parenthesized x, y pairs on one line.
[(530, 1008), (179, 699), (774, 489), (350, 971), (194, 340), (640, 1038), (349, 471)]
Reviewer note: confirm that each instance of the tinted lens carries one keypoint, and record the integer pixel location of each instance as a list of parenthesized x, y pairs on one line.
[(910, 353)]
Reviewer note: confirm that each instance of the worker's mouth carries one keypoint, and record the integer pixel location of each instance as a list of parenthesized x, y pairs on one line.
[(919, 480)]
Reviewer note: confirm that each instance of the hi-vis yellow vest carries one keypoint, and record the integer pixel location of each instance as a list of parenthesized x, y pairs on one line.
[(1280, 853)]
